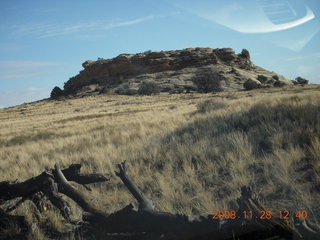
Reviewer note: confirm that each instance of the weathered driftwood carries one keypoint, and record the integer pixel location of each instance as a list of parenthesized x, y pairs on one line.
[(146, 219), (10, 190), (46, 184)]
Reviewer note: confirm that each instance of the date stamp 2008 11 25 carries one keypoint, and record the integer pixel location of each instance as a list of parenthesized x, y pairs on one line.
[(263, 214)]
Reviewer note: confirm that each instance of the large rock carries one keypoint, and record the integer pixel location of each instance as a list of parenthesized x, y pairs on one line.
[(173, 71), (87, 63), (226, 54)]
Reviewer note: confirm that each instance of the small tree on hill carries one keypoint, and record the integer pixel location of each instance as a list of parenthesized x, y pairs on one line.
[(208, 83), (251, 84), (148, 88), (301, 81), (56, 92), (262, 78)]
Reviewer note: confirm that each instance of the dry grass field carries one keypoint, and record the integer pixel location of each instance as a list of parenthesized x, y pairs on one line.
[(189, 153)]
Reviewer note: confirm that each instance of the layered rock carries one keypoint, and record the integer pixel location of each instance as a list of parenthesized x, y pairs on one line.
[(191, 69)]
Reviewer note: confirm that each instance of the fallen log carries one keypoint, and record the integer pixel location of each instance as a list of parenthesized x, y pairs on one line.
[(146, 220), (46, 183)]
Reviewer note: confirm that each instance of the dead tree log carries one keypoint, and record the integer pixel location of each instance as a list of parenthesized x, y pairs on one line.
[(145, 219), (144, 203), (11, 190), (72, 173), (148, 219), (47, 184)]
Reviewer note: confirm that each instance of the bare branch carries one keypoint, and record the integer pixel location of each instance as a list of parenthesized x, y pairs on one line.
[(72, 192), (72, 173), (144, 203), (56, 200)]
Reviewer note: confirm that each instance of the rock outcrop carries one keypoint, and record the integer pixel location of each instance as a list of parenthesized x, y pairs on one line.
[(187, 70)]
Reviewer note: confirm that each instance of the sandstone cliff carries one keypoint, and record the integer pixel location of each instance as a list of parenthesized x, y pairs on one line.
[(187, 70)]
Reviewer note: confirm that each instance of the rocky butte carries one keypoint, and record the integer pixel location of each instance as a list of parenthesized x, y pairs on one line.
[(187, 70)]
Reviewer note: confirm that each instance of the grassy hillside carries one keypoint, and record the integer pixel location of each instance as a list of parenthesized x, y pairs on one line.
[(190, 153)]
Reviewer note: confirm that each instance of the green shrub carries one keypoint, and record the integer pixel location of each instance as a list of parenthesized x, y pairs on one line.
[(167, 89), (278, 84), (208, 83), (210, 105), (262, 78), (130, 91), (301, 81), (177, 90), (107, 90), (148, 88), (56, 93), (190, 88), (251, 84), (126, 91)]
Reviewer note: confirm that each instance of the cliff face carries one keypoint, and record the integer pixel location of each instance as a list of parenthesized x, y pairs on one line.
[(191, 69)]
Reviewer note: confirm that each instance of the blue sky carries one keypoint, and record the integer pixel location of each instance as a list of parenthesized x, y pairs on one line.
[(43, 43)]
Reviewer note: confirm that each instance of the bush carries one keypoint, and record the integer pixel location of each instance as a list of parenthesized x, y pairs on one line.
[(208, 83), (262, 78), (56, 93), (130, 91), (275, 77), (148, 88), (301, 81), (107, 90), (278, 84), (126, 91), (190, 88), (210, 105), (251, 84), (177, 90)]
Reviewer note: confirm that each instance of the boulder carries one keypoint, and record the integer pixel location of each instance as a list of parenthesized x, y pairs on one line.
[(87, 63)]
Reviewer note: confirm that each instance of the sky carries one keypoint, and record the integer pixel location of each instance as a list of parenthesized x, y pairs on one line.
[(44, 43)]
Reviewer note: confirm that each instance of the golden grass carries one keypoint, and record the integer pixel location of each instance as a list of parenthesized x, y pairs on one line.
[(189, 153)]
